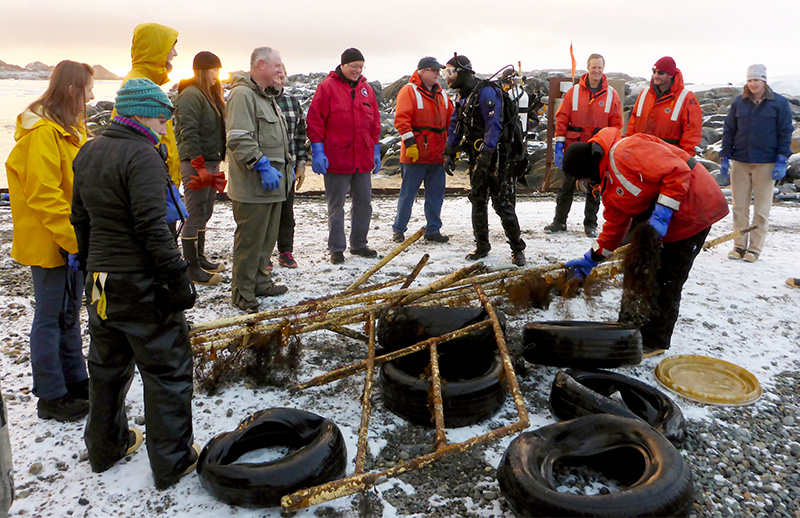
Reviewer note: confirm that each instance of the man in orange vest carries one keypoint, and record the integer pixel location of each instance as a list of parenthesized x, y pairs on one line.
[(587, 107), (422, 117), (667, 109)]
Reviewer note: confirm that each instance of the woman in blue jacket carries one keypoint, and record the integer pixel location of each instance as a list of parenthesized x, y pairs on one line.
[(757, 136)]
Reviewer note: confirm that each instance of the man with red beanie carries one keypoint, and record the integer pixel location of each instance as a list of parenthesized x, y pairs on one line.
[(643, 177), (344, 126), (667, 109)]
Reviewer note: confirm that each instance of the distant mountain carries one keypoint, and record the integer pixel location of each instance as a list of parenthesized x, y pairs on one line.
[(39, 70)]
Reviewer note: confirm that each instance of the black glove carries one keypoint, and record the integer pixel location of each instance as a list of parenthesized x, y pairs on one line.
[(449, 164), (484, 162), (177, 293)]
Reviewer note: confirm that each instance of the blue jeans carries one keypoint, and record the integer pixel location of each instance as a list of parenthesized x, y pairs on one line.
[(56, 345), (414, 175)]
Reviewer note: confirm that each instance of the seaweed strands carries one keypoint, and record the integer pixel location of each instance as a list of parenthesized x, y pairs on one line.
[(260, 359), (640, 266)]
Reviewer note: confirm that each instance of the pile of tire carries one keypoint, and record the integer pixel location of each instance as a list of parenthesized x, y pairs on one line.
[(473, 385), (583, 345), (318, 455)]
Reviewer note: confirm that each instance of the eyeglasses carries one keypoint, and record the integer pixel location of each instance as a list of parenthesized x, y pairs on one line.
[(355, 67), (162, 103), (434, 70), (659, 72)]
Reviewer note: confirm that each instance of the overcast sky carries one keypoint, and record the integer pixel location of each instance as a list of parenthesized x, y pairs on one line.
[(712, 42)]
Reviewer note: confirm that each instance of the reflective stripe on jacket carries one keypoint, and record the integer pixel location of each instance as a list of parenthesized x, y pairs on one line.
[(40, 177), (639, 171), (582, 114), (346, 120), (675, 117), (422, 117)]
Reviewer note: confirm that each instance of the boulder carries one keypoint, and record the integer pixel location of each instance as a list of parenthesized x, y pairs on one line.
[(710, 135)]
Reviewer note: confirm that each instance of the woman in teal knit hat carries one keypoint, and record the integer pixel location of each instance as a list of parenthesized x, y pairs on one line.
[(137, 289)]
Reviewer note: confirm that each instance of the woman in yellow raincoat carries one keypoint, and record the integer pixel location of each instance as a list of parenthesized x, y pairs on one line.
[(49, 134)]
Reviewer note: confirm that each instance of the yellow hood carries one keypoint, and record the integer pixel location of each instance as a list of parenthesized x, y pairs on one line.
[(149, 51)]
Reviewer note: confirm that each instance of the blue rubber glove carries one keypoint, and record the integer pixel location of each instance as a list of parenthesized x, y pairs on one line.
[(319, 162), (72, 263), (559, 157), (659, 219), (172, 212), (270, 177), (582, 267), (378, 159), (780, 168), (725, 167)]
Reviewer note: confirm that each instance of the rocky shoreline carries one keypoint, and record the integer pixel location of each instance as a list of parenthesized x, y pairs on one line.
[(40, 71)]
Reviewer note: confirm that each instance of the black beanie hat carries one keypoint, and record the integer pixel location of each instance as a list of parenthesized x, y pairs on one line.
[(352, 54), (582, 161), (206, 60), (460, 63)]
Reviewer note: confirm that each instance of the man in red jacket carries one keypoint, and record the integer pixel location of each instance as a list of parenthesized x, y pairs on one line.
[(640, 177), (344, 126), (422, 117), (667, 109), (586, 108)]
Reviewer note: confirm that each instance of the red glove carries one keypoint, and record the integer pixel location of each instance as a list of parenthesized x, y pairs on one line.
[(203, 178), (218, 181)]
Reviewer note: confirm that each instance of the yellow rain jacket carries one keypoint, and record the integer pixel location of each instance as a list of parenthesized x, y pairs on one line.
[(149, 51), (39, 171)]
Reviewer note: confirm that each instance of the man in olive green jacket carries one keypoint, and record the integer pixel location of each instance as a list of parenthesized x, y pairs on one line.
[(259, 160)]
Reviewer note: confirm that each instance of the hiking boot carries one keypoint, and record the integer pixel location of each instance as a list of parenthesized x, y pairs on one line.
[(750, 257), (736, 253), (286, 260), (63, 409), (337, 257), (518, 258), (398, 237), (205, 264), (193, 465), (272, 291), (135, 438), (79, 389), (555, 226), (196, 273), (649, 352), (364, 252), (248, 306), (590, 231), (437, 238), (794, 282), (194, 456), (478, 253)]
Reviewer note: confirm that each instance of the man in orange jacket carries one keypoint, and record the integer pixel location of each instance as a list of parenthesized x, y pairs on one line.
[(586, 108), (422, 117), (642, 177), (667, 109)]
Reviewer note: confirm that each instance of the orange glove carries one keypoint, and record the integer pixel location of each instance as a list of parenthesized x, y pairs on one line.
[(218, 181), (202, 179)]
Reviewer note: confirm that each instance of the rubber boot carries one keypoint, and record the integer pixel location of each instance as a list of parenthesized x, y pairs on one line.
[(196, 273), (205, 264)]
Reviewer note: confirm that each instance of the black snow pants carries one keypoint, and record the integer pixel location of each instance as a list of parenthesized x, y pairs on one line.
[(677, 259), (564, 203), (136, 331)]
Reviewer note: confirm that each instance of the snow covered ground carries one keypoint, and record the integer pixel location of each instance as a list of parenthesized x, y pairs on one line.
[(739, 312)]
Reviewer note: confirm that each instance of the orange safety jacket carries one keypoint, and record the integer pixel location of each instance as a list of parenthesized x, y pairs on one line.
[(642, 170), (582, 114), (675, 117), (422, 117)]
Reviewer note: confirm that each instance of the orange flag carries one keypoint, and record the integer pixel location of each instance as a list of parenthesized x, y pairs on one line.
[(572, 57)]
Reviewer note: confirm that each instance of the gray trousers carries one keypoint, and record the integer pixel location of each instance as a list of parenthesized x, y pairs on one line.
[(253, 242), (336, 188), (199, 204)]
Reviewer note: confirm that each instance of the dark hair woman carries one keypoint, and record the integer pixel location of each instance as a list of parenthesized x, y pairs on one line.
[(49, 134), (200, 132)]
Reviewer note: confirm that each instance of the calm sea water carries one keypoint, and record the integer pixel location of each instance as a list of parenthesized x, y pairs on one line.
[(16, 95)]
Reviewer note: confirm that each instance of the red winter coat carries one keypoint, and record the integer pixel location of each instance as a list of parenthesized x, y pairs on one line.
[(642, 169), (422, 117), (582, 114), (346, 120), (676, 117)]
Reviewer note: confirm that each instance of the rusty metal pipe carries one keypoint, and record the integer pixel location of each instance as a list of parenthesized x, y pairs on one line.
[(436, 397)]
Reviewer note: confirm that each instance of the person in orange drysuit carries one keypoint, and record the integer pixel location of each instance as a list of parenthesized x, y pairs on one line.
[(667, 109)]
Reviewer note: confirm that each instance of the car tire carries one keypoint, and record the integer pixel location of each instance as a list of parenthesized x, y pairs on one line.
[(659, 480), (319, 455), (583, 345), (476, 396), (578, 393)]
